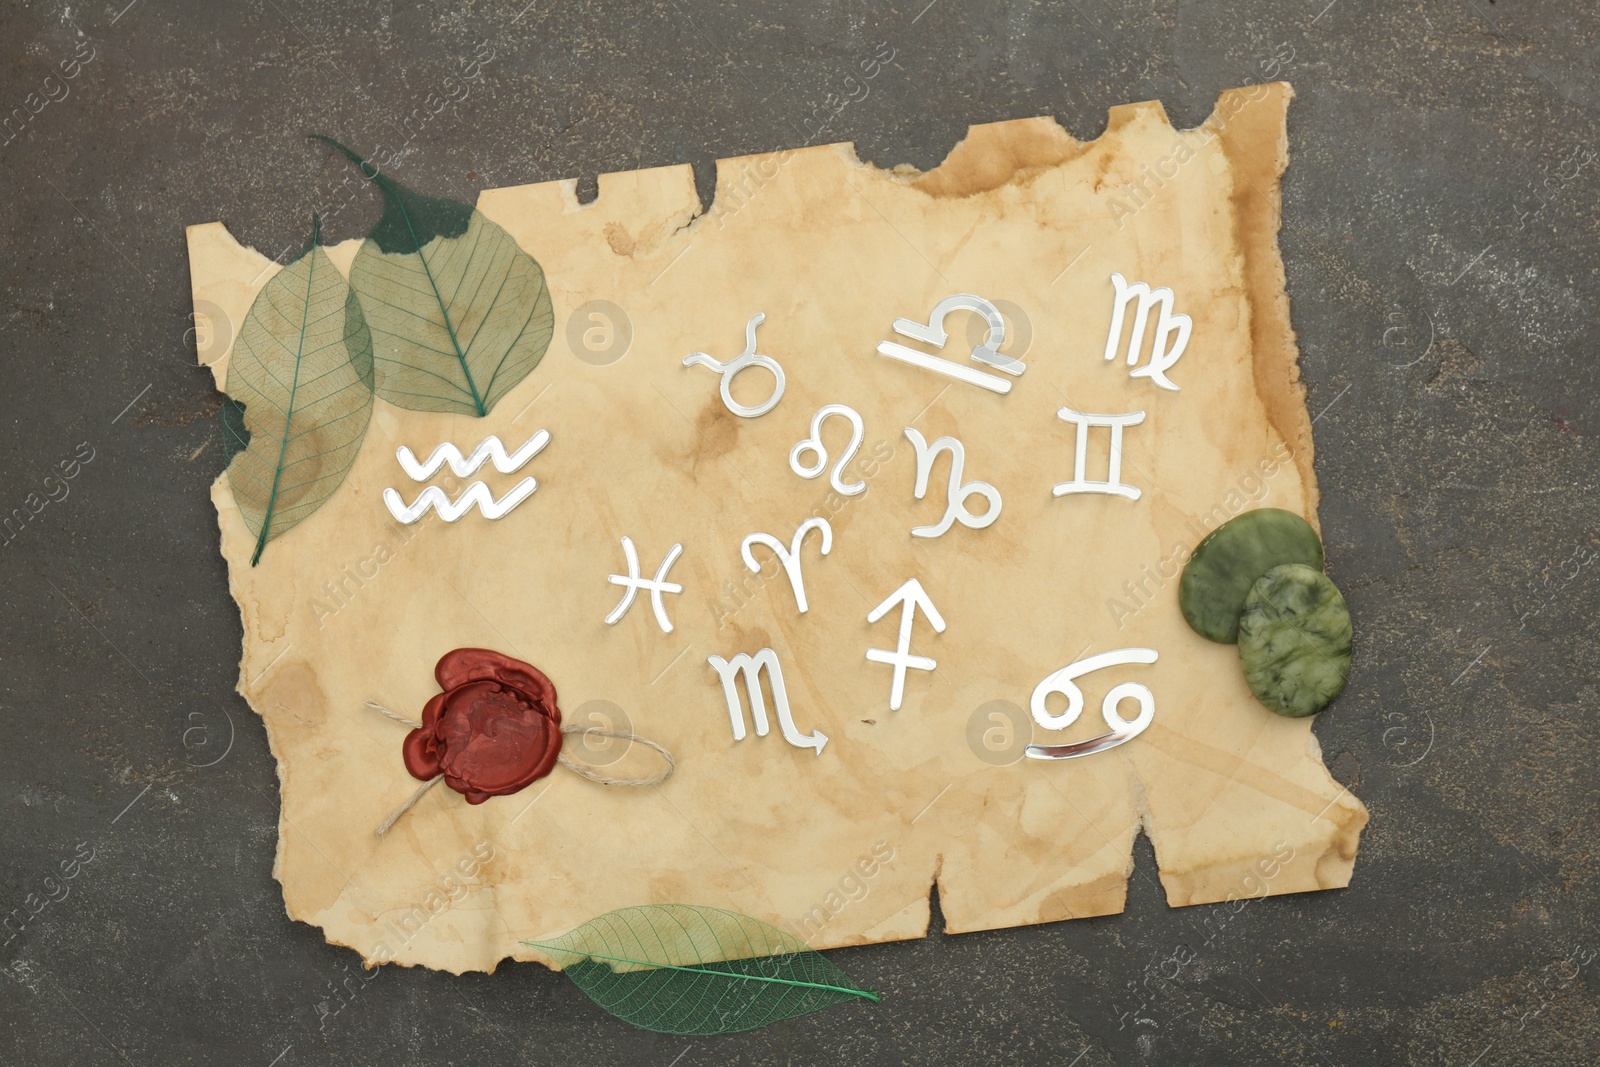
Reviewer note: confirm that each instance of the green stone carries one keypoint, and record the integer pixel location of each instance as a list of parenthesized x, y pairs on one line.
[(1226, 564), (1294, 640)]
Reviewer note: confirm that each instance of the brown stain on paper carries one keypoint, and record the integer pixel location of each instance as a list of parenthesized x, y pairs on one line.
[(832, 251)]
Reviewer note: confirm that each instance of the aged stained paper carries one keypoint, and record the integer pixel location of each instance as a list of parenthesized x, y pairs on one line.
[(350, 607)]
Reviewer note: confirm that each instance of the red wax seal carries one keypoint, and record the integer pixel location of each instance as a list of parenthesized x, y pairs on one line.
[(494, 730)]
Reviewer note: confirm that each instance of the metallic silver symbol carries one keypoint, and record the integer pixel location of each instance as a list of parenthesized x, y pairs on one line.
[(450, 510), (1121, 729), (789, 557), (747, 358), (465, 466), (1164, 351), (933, 333), (634, 583), (910, 596), (813, 444), (750, 668), (957, 494), (475, 494), (1113, 483)]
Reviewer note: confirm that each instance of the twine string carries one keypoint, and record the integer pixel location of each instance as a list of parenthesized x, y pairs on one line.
[(605, 779), (394, 816), (396, 716)]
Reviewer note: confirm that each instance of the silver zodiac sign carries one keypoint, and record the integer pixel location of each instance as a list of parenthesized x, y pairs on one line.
[(634, 583), (789, 557), (477, 494), (750, 668), (1113, 483), (1164, 351), (1121, 729), (933, 332), (747, 358), (813, 445), (957, 494), (910, 596)]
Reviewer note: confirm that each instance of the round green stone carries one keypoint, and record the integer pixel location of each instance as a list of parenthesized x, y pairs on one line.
[(1294, 640), (1226, 564)]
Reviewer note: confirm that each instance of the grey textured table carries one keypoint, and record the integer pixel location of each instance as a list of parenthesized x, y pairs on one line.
[(1440, 234)]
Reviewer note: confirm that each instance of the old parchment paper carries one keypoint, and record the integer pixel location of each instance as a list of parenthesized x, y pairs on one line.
[(350, 606)]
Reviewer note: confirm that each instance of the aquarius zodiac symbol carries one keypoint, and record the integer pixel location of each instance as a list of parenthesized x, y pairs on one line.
[(477, 493), (747, 358), (634, 583)]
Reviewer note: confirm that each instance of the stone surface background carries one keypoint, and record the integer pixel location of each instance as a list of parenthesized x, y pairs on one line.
[(1440, 222)]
